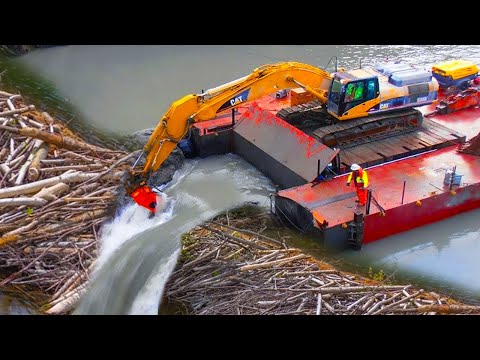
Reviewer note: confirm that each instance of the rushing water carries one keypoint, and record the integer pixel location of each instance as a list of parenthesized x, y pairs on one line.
[(109, 92), (145, 250)]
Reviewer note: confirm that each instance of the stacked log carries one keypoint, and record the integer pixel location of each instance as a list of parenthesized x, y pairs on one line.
[(56, 191), (228, 267)]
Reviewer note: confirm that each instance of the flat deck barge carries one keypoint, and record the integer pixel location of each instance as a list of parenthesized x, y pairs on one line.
[(416, 178)]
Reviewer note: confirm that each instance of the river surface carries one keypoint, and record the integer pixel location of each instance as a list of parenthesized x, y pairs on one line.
[(109, 92)]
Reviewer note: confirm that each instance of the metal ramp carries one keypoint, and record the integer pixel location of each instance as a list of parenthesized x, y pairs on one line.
[(292, 148)]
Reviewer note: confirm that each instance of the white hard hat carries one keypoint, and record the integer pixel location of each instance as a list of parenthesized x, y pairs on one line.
[(354, 167)]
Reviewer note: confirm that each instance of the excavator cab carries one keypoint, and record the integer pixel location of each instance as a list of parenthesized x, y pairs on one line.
[(346, 93), (385, 87)]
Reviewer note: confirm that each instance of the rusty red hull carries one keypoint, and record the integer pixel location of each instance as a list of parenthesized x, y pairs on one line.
[(429, 210)]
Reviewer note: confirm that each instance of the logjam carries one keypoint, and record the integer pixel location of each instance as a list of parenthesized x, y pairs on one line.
[(56, 190), (218, 275)]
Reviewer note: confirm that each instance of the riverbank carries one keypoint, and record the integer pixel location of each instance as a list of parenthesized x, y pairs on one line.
[(228, 266)]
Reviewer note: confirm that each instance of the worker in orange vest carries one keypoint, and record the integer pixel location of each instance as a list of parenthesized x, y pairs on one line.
[(360, 179)]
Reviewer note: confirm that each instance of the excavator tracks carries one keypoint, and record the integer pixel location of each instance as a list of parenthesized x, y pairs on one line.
[(301, 115), (313, 119), (352, 132)]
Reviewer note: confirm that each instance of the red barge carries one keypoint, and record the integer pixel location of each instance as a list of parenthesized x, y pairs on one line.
[(418, 174)]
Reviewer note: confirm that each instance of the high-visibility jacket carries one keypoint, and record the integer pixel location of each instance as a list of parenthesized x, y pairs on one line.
[(360, 180)]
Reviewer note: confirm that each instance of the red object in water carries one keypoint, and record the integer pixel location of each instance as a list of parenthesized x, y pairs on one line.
[(145, 197)]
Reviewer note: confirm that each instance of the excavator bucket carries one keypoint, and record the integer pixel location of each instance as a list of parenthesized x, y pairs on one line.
[(144, 196)]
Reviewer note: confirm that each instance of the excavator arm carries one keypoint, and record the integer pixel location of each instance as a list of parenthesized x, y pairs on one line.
[(192, 108)]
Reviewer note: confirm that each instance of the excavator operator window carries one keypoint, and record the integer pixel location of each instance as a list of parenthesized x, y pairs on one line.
[(335, 92), (354, 91), (371, 89)]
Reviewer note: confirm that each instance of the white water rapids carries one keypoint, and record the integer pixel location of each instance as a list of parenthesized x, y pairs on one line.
[(138, 254)]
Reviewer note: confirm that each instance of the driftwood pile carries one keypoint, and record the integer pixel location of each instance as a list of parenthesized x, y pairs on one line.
[(55, 192), (228, 267)]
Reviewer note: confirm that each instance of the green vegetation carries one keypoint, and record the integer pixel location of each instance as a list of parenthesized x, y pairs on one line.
[(377, 276), (187, 240)]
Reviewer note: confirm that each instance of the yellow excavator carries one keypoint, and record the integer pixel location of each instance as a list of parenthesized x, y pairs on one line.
[(365, 95)]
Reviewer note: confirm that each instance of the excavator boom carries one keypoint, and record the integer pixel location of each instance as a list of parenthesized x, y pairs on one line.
[(192, 108)]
